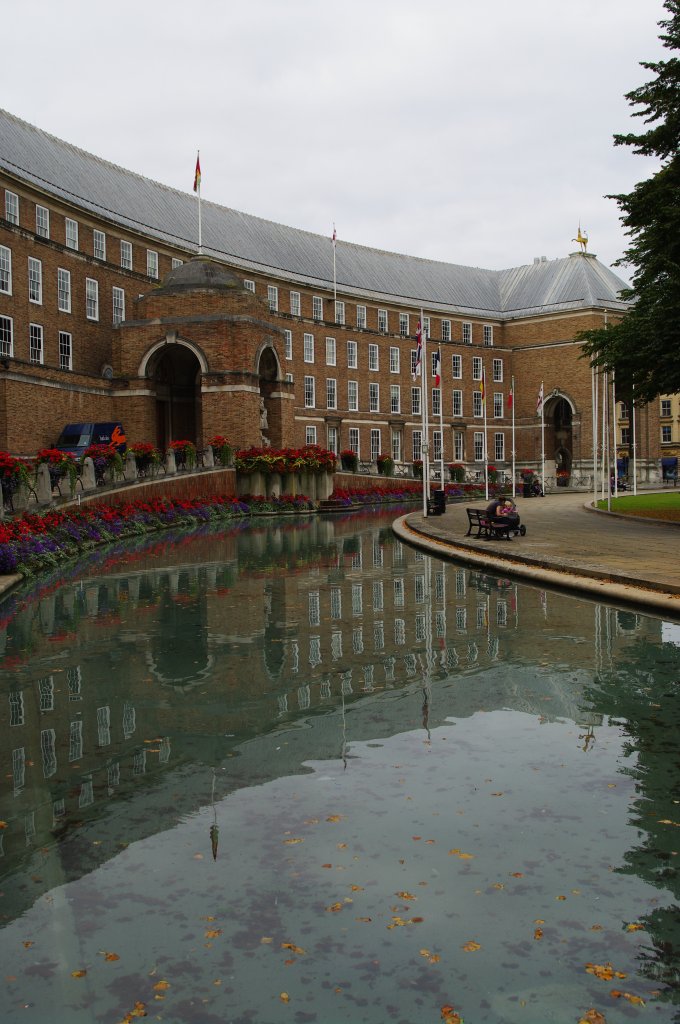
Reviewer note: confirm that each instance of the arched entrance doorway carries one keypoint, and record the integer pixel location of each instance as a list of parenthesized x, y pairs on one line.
[(270, 413), (175, 372), (559, 440)]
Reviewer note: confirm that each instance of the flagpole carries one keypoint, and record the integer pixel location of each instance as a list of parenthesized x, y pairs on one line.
[(542, 438), (335, 287), (614, 454), (197, 190), (441, 431), (632, 414), (486, 445), (593, 389), (514, 457), (426, 427)]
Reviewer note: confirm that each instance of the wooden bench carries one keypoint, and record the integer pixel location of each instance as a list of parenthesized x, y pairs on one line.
[(478, 520)]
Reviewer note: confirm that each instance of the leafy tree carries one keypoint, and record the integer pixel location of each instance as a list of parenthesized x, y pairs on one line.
[(644, 347)]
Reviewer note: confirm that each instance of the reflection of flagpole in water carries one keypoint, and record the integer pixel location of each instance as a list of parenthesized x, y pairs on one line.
[(214, 828), (427, 687)]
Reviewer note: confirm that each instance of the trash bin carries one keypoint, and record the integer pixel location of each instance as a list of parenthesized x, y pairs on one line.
[(526, 488), (439, 502)]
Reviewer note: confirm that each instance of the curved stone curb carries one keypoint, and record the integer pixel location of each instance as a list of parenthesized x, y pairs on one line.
[(600, 586)]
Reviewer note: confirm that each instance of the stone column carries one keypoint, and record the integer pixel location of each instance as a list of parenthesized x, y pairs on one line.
[(88, 478), (170, 464), (43, 486), (130, 472)]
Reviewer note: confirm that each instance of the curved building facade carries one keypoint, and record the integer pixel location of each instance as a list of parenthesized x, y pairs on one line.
[(108, 311)]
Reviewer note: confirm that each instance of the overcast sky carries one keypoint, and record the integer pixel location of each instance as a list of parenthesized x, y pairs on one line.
[(472, 131)]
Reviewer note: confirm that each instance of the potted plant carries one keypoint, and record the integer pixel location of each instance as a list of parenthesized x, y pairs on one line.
[(105, 457), (222, 450), (418, 469), (457, 472), (493, 474), (349, 460), (185, 454), (60, 464), (146, 456), (385, 465), (562, 477), (13, 473)]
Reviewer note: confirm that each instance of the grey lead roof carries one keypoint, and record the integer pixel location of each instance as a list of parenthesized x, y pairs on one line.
[(257, 245)]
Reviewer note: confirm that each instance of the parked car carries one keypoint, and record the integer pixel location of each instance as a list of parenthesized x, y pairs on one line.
[(76, 438)]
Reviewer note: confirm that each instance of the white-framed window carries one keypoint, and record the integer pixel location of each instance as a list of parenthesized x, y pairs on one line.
[(426, 327), (71, 233), (354, 441), (295, 303), (457, 367), (476, 403), (310, 434), (16, 708), (6, 336), (499, 447), (34, 280), (403, 325), (436, 401), (35, 343), (395, 398), (126, 254), (308, 348), (273, 298), (288, 344), (175, 263), (382, 321), (75, 746), (331, 393), (361, 317), (457, 403), (309, 393), (374, 397), (394, 359), (498, 404), (479, 445), (91, 299), (396, 445), (48, 750), (415, 402), (498, 370), (5, 270), (317, 307), (249, 286), (477, 368), (446, 330), (666, 408), (99, 245), (352, 396), (666, 433), (414, 369), (417, 442), (339, 312), (333, 441), (152, 263), (437, 445), (65, 350), (375, 444), (351, 355), (289, 378), (488, 335), (63, 290), (458, 446), (330, 352), (373, 357), (467, 333), (11, 207), (118, 305), (42, 221)]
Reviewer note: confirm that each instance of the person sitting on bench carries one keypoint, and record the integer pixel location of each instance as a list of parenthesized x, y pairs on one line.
[(502, 512)]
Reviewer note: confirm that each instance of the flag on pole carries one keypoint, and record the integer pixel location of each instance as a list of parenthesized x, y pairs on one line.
[(437, 368), (511, 398), (539, 403), (419, 352), (482, 385), (197, 174), (334, 236)]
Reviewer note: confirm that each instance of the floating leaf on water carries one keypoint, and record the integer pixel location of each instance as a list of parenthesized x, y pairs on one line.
[(213, 933), (110, 957), (78, 974), (538, 933), (292, 842), (265, 940), (284, 997), (335, 907), (357, 888), (471, 947), (161, 986), (335, 817), (635, 927), (635, 1000), (403, 895), (592, 1016), (603, 971), (449, 1015), (293, 948), (363, 919), (28, 943)]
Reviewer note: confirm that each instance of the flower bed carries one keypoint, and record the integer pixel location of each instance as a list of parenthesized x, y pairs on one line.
[(310, 458)]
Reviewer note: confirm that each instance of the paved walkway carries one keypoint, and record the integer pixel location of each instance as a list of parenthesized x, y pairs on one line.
[(567, 545)]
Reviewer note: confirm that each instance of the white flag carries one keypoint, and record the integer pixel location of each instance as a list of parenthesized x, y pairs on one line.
[(539, 403)]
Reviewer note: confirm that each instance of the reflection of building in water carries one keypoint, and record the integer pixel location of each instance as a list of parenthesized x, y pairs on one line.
[(132, 674)]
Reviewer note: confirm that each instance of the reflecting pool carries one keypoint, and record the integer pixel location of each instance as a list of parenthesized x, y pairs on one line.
[(296, 771)]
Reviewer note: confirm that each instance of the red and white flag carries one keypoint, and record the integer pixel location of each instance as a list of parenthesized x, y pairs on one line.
[(437, 368), (539, 402), (419, 352), (197, 175)]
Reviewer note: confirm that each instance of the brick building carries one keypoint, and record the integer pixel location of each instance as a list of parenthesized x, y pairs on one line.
[(107, 311)]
